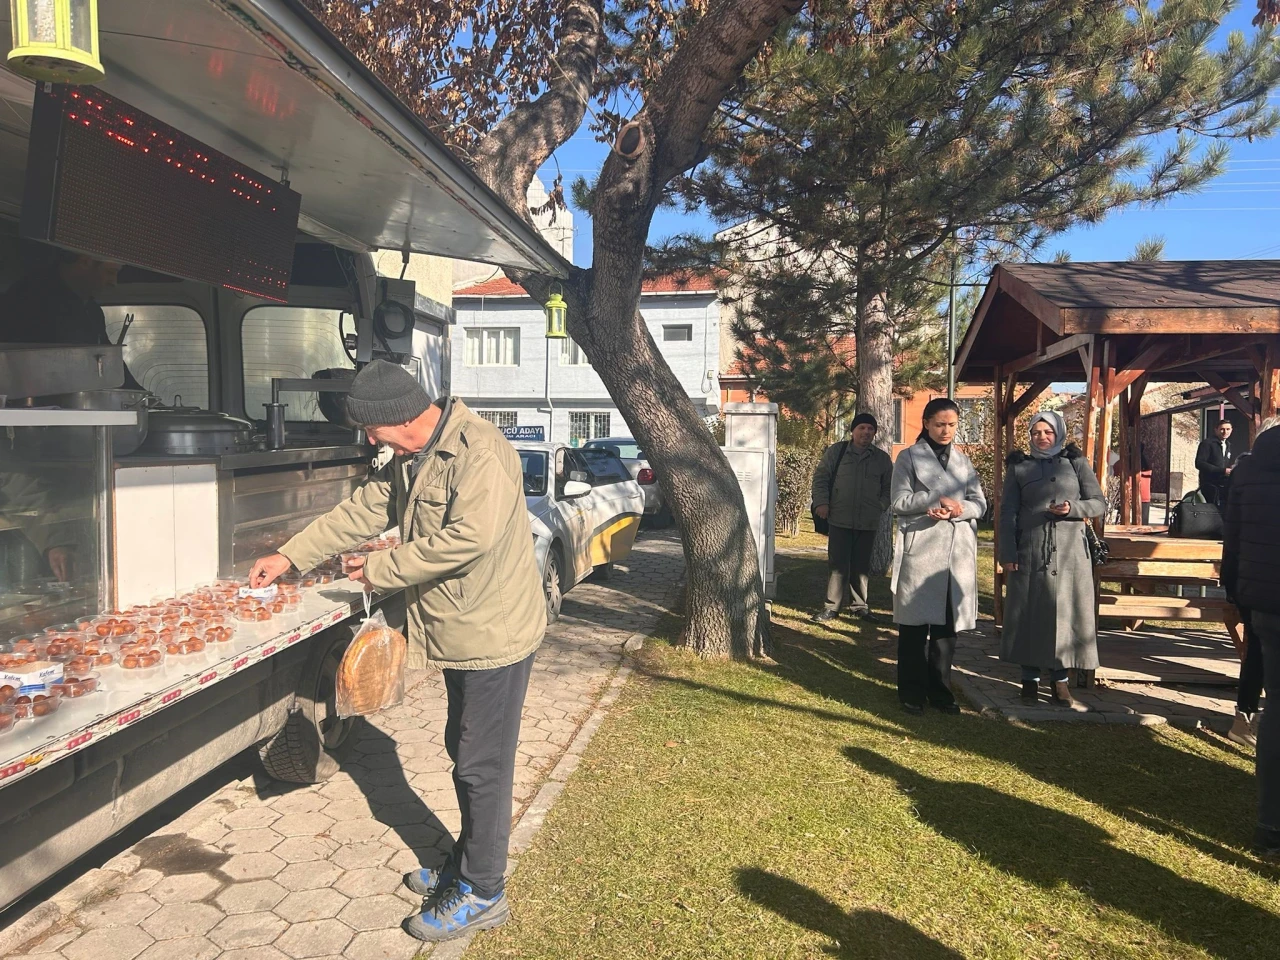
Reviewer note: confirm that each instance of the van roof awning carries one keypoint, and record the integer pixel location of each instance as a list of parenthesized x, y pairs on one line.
[(265, 83)]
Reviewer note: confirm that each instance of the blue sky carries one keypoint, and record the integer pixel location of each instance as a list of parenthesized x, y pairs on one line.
[(1234, 217)]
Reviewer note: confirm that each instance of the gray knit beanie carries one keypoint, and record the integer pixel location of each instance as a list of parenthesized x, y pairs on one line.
[(383, 394)]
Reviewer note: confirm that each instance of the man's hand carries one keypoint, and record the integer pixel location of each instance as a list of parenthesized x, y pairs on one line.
[(822, 512), (355, 571), (267, 569), (62, 561)]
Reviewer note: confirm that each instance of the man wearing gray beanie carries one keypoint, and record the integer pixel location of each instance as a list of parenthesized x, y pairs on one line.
[(851, 494), (475, 608)]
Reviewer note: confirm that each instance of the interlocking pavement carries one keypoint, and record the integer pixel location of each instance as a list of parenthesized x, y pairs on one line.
[(264, 871)]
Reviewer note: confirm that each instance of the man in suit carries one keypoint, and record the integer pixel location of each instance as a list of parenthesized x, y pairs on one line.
[(1215, 461)]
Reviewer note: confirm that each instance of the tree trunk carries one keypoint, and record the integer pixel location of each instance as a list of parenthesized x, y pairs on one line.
[(875, 391), (725, 604)]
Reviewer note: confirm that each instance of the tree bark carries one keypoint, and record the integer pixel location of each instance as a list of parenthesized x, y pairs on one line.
[(725, 609), (875, 389)]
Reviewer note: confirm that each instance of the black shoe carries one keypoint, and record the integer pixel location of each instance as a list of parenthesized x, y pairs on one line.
[(1030, 692), (868, 617), (914, 709), (826, 616), (952, 708)]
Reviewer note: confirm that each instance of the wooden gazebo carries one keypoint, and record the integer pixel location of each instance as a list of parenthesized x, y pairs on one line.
[(1120, 327)]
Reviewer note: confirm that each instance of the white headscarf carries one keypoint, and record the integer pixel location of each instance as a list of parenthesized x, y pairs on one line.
[(1059, 434)]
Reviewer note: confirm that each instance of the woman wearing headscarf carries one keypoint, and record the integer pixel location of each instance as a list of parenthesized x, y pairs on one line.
[(937, 498), (1050, 613)]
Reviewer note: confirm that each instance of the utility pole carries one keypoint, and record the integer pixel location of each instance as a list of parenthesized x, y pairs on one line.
[(951, 333)]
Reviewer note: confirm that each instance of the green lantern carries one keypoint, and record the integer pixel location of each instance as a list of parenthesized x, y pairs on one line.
[(55, 40), (557, 312)]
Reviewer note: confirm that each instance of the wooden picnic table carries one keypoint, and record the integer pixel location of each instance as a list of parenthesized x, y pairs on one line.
[(1145, 559)]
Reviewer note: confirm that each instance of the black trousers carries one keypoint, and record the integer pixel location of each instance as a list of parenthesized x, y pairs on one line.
[(925, 652), (1267, 626), (1249, 692), (849, 566), (481, 736)]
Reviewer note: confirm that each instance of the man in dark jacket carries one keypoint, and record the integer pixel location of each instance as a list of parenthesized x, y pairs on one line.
[(1215, 461), (1250, 574), (851, 492)]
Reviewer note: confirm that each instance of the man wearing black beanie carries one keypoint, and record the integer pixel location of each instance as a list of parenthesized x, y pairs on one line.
[(475, 607), (851, 492)]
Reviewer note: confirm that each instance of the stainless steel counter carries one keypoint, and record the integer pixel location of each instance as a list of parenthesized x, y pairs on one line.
[(290, 456)]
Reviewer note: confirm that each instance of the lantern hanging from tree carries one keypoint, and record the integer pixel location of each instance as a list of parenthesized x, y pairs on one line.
[(55, 40), (557, 312)]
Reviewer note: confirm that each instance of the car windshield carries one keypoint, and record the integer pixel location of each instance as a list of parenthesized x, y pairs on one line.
[(534, 467), (626, 449)]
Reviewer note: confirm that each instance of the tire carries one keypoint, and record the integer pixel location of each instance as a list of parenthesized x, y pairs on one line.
[(553, 583), (313, 742)]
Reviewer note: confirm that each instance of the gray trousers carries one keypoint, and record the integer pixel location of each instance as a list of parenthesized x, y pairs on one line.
[(849, 563), (1267, 627), (481, 736)]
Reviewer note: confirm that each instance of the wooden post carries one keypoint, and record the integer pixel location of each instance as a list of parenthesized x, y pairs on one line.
[(1135, 462), (1271, 381), (998, 483), (1124, 468), (1090, 398)]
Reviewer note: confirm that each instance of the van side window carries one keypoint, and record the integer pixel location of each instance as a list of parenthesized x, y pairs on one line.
[(166, 350), (293, 342)]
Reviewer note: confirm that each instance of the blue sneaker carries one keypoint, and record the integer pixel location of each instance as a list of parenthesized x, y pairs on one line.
[(457, 912), (429, 881)]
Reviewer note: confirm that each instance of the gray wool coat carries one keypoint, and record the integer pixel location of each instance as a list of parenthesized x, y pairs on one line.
[(1050, 611), (930, 555)]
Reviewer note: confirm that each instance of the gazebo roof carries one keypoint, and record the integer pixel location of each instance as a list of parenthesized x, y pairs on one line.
[(1179, 318)]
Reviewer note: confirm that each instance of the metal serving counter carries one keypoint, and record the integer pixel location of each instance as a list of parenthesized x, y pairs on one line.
[(123, 700)]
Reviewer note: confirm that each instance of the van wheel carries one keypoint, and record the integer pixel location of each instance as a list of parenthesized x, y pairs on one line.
[(314, 741), (553, 584)]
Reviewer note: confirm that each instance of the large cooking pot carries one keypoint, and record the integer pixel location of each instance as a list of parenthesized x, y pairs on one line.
[(124, 440), (191, 432)]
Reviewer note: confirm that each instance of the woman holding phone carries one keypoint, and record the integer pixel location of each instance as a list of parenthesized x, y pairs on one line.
[(937, 498), (1050, 621)]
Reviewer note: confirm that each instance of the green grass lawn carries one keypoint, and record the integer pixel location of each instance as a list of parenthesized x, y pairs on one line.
[(726, 810)]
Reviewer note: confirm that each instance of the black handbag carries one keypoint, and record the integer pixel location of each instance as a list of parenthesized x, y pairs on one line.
[(1099, 552), (1195, 519), (820, 525)]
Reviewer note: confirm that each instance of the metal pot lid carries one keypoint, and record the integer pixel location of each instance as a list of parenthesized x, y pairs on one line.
[(194, 419)]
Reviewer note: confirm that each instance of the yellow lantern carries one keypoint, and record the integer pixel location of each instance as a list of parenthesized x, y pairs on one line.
[(557, 311), (55, 40)]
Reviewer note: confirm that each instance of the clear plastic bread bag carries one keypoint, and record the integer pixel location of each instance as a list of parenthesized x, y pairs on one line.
[(371, 675)]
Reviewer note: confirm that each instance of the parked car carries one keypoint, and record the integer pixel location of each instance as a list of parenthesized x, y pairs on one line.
[(626, 449), (585, 510)]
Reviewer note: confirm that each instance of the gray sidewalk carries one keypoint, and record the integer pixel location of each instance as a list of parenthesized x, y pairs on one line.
[(261, 871)]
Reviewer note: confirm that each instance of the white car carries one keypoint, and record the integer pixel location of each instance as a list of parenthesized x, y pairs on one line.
[(584, 509), (656, 511)]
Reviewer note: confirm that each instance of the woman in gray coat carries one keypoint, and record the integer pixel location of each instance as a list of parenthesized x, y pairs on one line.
[(937, 498), (1050, 618)]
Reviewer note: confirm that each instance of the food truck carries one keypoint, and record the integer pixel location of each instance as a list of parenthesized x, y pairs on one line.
[(242, 167)]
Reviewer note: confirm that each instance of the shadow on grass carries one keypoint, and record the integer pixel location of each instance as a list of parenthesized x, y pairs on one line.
[(1012, 835), (1137, 775), (860, 935)]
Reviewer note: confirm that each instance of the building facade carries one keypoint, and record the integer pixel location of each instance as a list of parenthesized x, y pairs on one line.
[(504, 367)]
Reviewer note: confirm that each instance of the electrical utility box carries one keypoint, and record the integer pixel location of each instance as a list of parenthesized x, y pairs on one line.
[(751, 446)]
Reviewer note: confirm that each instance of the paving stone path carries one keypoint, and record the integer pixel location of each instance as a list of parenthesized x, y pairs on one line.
[(263, 871)]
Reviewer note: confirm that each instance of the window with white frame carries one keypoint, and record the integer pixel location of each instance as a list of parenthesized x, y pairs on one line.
[(897, 421), (973, 421), (672, 333), (587, 426), (499, 418), (571, 355), (493, 347)]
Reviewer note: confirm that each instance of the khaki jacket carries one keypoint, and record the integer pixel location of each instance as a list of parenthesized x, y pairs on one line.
[(861, 491), (472, 588)]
